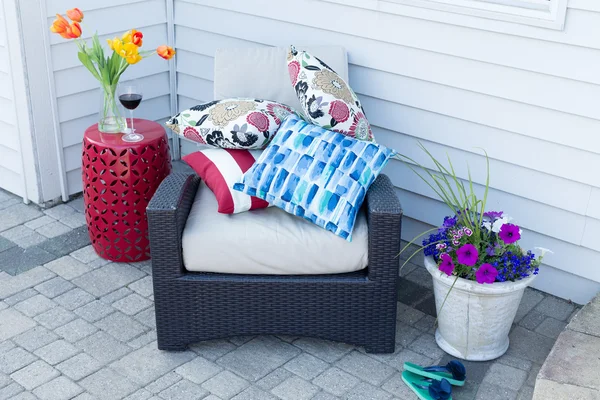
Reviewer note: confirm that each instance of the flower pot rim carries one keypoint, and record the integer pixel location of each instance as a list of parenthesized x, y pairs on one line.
[(472, 286)]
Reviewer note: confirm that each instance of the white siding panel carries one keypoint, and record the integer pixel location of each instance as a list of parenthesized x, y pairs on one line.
[(195, 64), (529, 214), (202, 41), (4, 60), (186, 102), (523, 150), (568, 96), (11, 159), (525, 97), (194, 88), (594, 204), (492, 47), (7, 110), (60, 6), (533, 185), (9, 136), (5, 85), (586, 5), (74, 181), (88, 102), (591, 234), (74, 80), (72, 131), (11, 180)]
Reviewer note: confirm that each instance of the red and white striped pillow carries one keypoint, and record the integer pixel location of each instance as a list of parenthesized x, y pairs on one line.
[(220, 169)]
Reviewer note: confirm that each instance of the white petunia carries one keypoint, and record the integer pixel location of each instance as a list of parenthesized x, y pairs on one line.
[(499, 222), (544, 251)]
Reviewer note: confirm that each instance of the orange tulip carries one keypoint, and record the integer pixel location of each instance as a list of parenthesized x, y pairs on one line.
[(75, 14), (134, 37), (73, 31), (165, 52), (60, 25)]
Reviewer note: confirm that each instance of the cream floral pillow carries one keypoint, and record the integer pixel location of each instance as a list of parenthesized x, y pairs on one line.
[(326, 98), (231, 123)]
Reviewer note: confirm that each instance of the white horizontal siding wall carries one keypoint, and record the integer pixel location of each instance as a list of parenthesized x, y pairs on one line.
[(78, 96), (529, 98), (11, 172)]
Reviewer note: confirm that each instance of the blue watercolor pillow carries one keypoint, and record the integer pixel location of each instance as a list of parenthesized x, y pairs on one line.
[(317, 174)]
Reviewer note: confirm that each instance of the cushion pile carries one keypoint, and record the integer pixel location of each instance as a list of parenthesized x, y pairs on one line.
[(316, 165)]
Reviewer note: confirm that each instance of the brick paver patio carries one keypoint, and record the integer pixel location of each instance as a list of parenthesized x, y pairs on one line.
[(73, 325)]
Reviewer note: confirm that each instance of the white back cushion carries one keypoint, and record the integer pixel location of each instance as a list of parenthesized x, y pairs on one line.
[(261, 72)]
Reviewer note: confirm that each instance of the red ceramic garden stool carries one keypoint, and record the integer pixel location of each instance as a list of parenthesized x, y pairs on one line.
[(119, 179)]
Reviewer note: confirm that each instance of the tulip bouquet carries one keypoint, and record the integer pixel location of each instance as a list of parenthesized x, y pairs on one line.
[(473, 243), (107, 69)]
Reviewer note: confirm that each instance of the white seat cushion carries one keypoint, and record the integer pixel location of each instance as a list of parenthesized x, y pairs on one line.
[(266, 241)]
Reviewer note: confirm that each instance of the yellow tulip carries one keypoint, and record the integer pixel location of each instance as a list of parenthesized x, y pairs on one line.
[(133, 58), (113, 42)]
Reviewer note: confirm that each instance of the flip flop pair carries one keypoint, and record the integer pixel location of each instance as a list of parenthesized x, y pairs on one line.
[(434, 382)]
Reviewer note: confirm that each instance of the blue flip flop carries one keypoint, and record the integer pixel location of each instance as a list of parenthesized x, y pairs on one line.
[(427, 388), (454, 372)]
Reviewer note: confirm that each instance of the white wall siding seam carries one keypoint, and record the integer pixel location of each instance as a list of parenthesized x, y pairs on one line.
[(11, 61), (175, 150), (62, 173)]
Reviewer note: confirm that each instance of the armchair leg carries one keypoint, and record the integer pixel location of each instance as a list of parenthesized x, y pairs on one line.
[(384, 347), (171, 346)]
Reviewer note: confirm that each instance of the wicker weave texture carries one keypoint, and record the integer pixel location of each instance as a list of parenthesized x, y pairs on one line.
[(357, 308)]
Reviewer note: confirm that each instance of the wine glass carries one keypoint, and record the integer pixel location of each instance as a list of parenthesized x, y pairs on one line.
[(130, 95)]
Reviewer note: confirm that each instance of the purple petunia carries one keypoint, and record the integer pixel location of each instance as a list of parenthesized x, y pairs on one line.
[(467, 255), (509, 233), (447, 266), (486, 273), (493, 214), (449, 222)]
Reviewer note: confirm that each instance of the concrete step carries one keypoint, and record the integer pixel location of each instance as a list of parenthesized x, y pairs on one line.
[(572, 369)]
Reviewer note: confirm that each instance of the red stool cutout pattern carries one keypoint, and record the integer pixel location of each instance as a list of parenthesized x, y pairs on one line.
[(119, 179)]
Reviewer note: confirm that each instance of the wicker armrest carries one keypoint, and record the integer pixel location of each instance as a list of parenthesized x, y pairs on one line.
[(167, 213), (384, 215)]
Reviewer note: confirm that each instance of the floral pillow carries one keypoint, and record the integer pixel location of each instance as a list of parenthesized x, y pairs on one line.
[(231, 123), (326, 98)]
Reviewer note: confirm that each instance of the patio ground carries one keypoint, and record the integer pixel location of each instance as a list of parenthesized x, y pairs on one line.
[(73, 325)]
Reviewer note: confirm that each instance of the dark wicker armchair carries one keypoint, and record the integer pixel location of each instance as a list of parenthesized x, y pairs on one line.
[(357, 308)]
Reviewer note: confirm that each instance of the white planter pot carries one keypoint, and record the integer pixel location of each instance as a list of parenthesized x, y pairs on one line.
[(476, 318)]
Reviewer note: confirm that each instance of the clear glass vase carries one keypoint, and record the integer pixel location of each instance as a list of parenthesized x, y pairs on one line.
[(112, 117)]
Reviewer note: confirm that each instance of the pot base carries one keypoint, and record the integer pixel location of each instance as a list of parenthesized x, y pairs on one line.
[(484, 355)]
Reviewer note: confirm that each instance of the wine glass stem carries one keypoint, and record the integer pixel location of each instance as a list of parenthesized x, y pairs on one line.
[(131, 112)]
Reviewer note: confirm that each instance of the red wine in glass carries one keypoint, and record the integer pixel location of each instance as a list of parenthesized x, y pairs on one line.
[(130, 95), (130, 100)]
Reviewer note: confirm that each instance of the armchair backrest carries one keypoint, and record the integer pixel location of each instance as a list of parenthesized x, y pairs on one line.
[(261, 72)]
